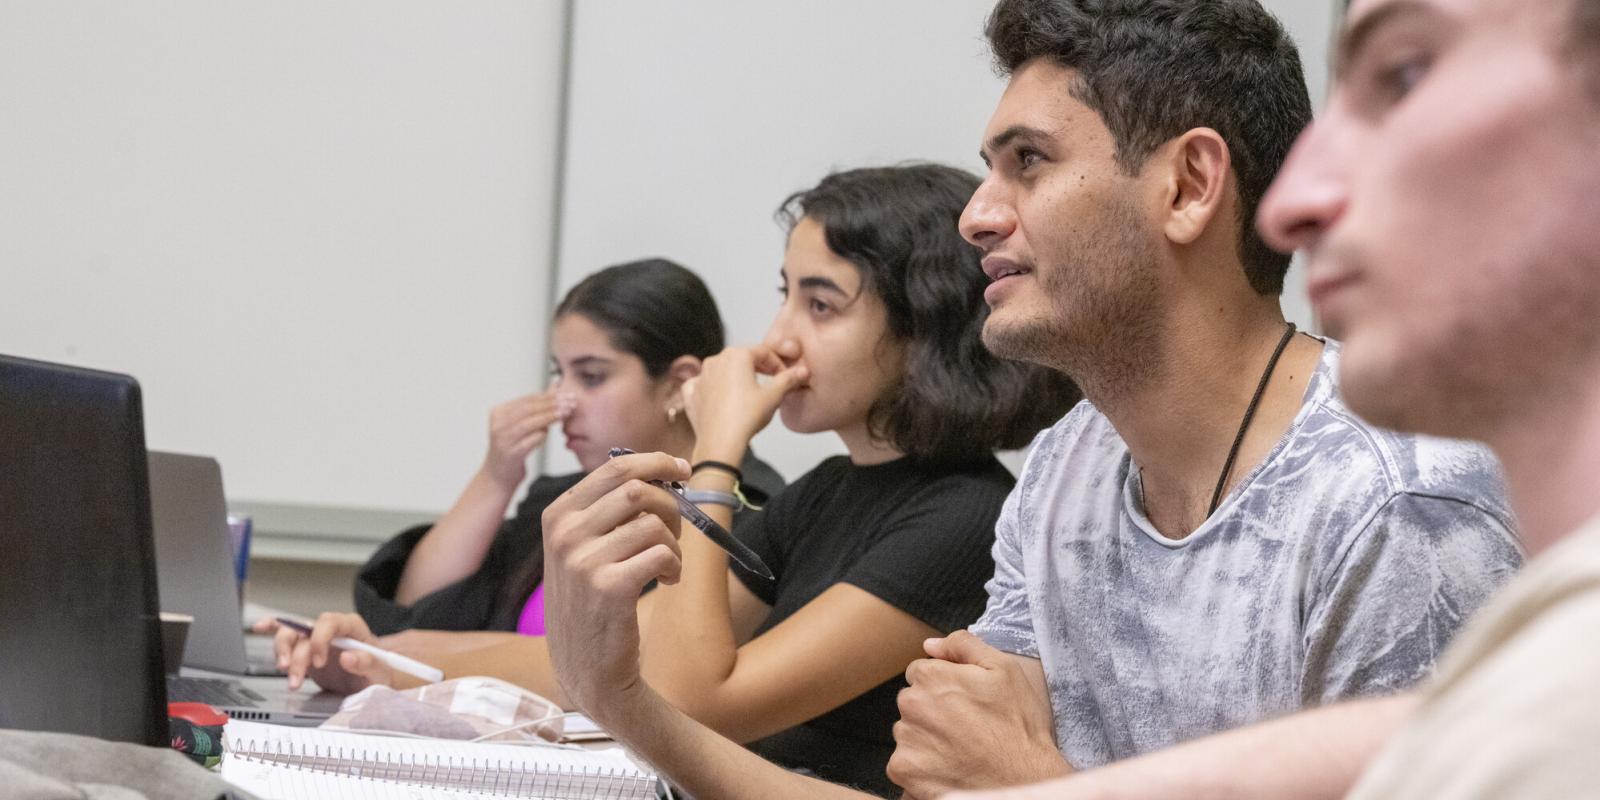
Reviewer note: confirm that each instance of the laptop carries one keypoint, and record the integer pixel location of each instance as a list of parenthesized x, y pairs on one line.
[(194, 559), (195, 565), (80, 637)]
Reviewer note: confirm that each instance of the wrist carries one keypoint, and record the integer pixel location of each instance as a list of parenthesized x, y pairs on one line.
[(1047, 764), (619, 710), (712, 480), (730, 450), (503, 478)]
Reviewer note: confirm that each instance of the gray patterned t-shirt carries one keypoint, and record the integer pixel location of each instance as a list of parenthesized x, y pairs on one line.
[(1339, 567)]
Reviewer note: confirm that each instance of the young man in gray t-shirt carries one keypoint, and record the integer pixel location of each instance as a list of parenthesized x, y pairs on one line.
[(1468, 290), (1211, 539), (1339, 567)]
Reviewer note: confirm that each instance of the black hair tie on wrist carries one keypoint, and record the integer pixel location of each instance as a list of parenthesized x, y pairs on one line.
[(738, 476)]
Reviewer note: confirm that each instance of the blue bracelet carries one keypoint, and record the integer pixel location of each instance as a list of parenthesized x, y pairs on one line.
[(712, 497)]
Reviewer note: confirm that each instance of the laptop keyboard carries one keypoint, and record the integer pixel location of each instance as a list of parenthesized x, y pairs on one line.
[(214, 691)]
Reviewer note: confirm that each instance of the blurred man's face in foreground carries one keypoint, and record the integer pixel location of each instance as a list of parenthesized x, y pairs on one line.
[(1448, 199)]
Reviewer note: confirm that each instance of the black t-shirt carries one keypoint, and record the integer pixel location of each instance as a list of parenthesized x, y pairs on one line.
[(916, 535), (492, 597)]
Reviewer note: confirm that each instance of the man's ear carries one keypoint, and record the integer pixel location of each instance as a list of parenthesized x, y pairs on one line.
[(1197, 185)]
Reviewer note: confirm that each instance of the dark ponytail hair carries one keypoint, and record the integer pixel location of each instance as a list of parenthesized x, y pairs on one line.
[(655, 309), (898, 226)]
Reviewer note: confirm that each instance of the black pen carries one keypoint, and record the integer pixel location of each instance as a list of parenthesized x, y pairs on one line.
[(708, 526)]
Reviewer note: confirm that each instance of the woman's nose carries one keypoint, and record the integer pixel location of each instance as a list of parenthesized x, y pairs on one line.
[(780, 338), (782, 342), (787, 349)]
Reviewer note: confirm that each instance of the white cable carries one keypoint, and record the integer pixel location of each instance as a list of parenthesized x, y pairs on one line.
[(540, 721)]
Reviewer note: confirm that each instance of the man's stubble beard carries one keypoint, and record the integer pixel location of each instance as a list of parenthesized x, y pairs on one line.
[(1104, 324), (1514, 348)]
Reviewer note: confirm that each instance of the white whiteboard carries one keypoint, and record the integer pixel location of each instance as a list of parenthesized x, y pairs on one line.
[(690, 121), (318, 233)]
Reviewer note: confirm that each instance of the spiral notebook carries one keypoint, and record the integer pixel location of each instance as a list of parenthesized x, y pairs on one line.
[(276, 761)]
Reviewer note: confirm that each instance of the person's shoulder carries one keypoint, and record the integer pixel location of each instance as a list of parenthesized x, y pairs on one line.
[(1083, 425), (1401, 463), (828, 469), (1542, 621), (1395, 462), (827, 473), (1082, 441), (965, 479), (1566, 576), (953, 507), (1522, 670)]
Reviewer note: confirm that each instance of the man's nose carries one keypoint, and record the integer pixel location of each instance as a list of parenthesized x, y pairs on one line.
[(1308, 196), (990, 216)]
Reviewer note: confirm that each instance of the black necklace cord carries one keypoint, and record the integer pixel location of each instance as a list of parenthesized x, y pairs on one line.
[(1249, 414)]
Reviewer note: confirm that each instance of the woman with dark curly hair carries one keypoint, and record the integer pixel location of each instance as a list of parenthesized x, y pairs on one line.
[(877, 340)]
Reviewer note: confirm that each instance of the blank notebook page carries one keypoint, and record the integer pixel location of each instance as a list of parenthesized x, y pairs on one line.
[(275, 761)]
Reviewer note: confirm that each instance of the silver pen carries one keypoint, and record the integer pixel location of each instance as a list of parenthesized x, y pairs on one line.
[(708, 526)]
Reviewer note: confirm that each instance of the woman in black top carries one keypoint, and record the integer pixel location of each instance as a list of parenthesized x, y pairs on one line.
[(877, 340), (623, 342)]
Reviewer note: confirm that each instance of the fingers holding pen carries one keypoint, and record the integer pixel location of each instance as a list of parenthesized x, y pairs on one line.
[(294, 655), (301, 655), (283, 641), (621, 524), (369, 670), (290, 649), (631, 555), (616, 473), (615, 531)]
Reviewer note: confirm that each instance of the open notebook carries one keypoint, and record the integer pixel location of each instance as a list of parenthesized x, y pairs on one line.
[(276, 761)]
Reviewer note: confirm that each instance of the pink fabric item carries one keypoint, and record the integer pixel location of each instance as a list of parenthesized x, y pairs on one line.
[(531, 623)]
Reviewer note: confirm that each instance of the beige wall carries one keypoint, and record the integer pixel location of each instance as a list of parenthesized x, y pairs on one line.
[(301, 587)]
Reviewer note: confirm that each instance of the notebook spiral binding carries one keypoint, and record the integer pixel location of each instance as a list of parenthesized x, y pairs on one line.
[(494, 777)]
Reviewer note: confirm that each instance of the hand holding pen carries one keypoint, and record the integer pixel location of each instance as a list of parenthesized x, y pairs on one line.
[(309, 651), (708, 526), (605, 539)]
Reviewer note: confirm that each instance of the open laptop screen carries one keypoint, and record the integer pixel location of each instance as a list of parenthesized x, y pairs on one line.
[(79, 634)]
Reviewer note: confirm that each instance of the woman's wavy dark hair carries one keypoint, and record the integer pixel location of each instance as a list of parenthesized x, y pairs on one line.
[(898, 226), (653, 308)]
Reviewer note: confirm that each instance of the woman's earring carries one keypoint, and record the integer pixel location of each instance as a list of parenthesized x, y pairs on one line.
[(672, 414)]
